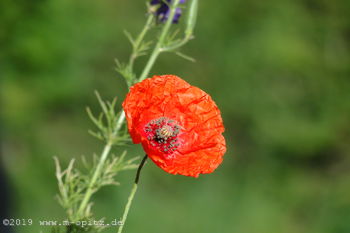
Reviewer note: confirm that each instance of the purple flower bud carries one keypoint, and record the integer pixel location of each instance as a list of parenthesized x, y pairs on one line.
[(163, 11)]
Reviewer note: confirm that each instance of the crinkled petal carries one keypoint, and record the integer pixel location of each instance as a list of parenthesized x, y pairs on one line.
[(201, 142)]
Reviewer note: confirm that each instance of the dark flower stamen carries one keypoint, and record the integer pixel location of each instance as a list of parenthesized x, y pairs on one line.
[(162, 133)]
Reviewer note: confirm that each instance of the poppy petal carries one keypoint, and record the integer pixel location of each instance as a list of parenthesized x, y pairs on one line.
[(178, 125)]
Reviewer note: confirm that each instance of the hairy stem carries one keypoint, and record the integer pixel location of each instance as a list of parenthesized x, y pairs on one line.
[(132, 194), (92, 183), (177, 44), (139, 39), (81, 211), (158, 48), (119, 123)]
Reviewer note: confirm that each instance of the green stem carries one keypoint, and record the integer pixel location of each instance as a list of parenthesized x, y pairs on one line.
[(158, 48), (132, 194), (80, 213), (119, 123), (177, 45), (96, 174), (127, 207), (139, 39)]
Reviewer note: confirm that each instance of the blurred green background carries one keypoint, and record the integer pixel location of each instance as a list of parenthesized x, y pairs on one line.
[(278, 70)]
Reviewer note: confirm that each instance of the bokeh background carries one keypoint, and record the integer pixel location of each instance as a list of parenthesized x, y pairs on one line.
[(278, 70)]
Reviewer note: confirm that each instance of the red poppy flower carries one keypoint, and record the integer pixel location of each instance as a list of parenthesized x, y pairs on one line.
[(179, 125)]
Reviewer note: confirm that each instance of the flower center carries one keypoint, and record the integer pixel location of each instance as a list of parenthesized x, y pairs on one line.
[(162, 134), (165, 132)]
